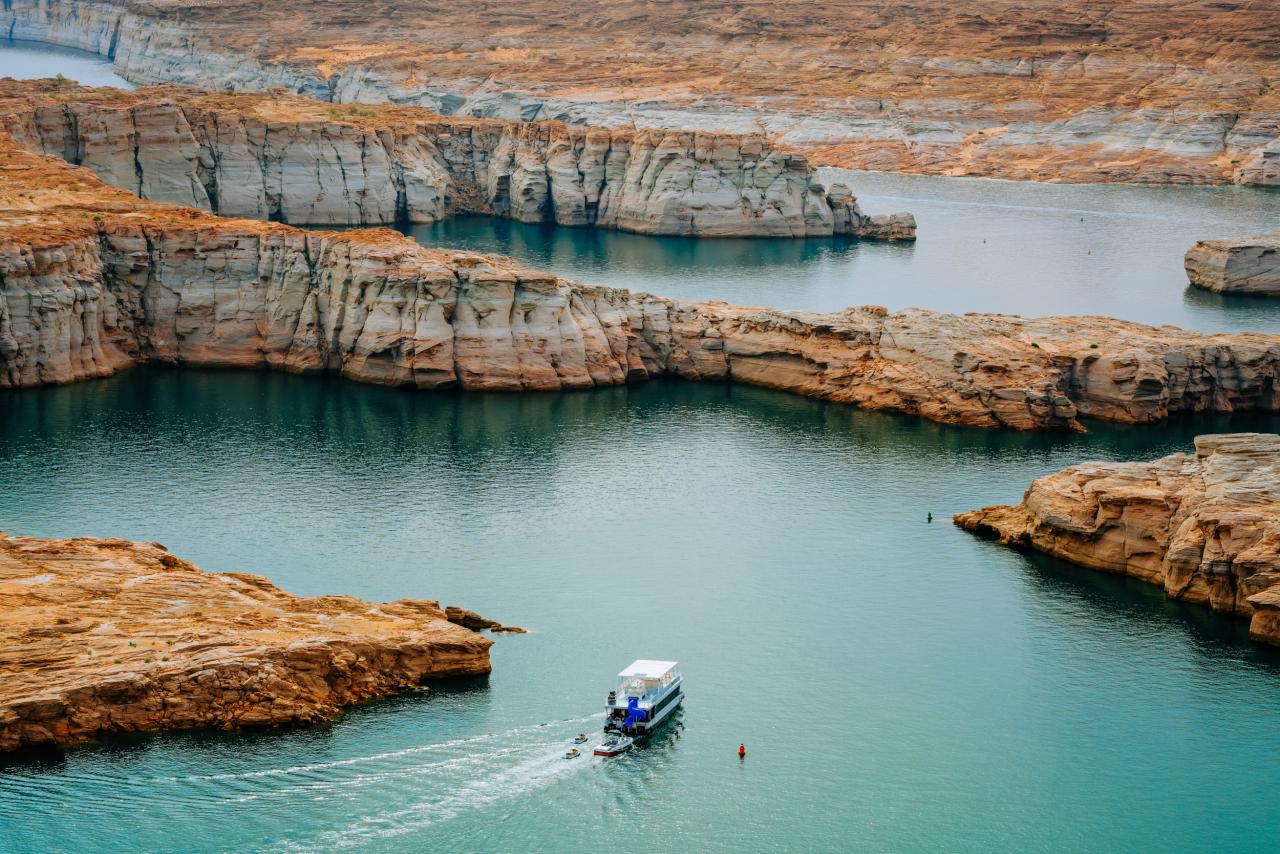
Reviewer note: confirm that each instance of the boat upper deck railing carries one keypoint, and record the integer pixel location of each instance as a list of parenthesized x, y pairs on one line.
[(646, 688)]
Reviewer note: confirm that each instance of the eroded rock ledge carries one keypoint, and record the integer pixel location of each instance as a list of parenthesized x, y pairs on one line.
[(1169, 91), (107, 636), (296, 160), (1204, 526), (1238, 265), (92, 281)]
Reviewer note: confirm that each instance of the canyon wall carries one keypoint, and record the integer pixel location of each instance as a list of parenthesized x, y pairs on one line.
[(93, 280), (99, 637), (1204, 526), (291, 159), (1238, 265), (1166, 91)]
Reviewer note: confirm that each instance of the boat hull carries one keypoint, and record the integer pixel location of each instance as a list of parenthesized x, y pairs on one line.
[(644, 728)]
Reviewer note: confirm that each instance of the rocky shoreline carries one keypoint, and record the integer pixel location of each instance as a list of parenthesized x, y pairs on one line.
[(1237, 265), (100, 637), (296, 160), (1153, 91), (1204, 526), (93, 280)]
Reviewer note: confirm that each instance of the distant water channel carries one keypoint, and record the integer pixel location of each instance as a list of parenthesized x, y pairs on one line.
[(900, 685), (1002, 246), (23, 60)]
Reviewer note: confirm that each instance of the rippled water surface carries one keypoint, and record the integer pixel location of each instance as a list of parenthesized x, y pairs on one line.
[(900, 685)]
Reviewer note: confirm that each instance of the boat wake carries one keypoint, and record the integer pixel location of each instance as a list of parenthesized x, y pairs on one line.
[(353, 802)]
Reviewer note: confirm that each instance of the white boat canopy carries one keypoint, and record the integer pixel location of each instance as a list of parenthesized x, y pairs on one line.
[(647, 669)]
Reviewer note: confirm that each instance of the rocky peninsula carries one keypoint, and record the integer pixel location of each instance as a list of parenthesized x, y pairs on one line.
[(294, 159), (1160, 91), (1204, 526), (99, 637), (1239, 265), (94, 280)]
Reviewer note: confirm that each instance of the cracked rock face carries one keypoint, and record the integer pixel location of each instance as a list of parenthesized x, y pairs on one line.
[(296, 160), (1153, 91), (1204, 526), (99, 637), (1239, 265), (93, 280)]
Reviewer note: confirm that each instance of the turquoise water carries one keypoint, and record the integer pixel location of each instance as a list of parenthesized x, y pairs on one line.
[(900, 685), (1049, 249)]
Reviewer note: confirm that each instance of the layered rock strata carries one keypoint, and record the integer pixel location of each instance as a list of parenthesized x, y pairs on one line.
[(1239, 265), (99, 637), (1173, 91), (296, 160), (1204, 526), (92, 281)]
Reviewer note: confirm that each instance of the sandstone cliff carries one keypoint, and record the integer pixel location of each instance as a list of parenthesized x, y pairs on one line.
[(1119, 90), (1239, 265), (1205, 526), (296, 160), (108, 636), (92, 280)]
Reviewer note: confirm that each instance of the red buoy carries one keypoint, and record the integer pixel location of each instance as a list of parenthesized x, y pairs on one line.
[(742, 751)]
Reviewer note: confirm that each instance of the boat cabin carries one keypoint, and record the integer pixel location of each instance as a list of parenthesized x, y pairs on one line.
[(647, 692)]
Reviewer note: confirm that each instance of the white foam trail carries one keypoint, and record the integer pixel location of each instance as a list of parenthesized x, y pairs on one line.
[(534, 773), (376, 757)]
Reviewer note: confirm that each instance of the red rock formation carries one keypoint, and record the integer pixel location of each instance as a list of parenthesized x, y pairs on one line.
[(297, 160), (1238, 265), (1107, 90), (92, 280), (107, 636), (1204, 526)]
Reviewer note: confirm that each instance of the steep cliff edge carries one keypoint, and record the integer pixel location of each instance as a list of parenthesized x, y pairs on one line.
[(93, 280), (1237, 265), (1167, 91), (1205, 526), (107, 636), (297, 160)]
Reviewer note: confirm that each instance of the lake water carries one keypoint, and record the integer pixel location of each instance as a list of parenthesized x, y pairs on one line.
[(23, 60), (900, 685), (1018, 248)]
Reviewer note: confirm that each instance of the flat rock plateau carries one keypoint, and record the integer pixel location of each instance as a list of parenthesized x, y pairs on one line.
[(99, 637), (94, 280), (1162, 91), (1237, 265), (1205, 526)]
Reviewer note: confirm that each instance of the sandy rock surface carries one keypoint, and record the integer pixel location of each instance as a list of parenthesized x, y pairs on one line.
[(1205, 526), (1165, 91), (92, 281), (109, 636), (297, 160), (1238, 265)]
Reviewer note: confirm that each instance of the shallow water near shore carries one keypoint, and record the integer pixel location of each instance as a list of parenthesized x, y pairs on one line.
[(899, 684)]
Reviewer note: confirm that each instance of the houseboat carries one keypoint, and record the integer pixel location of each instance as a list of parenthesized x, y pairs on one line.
[(648, 693)]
